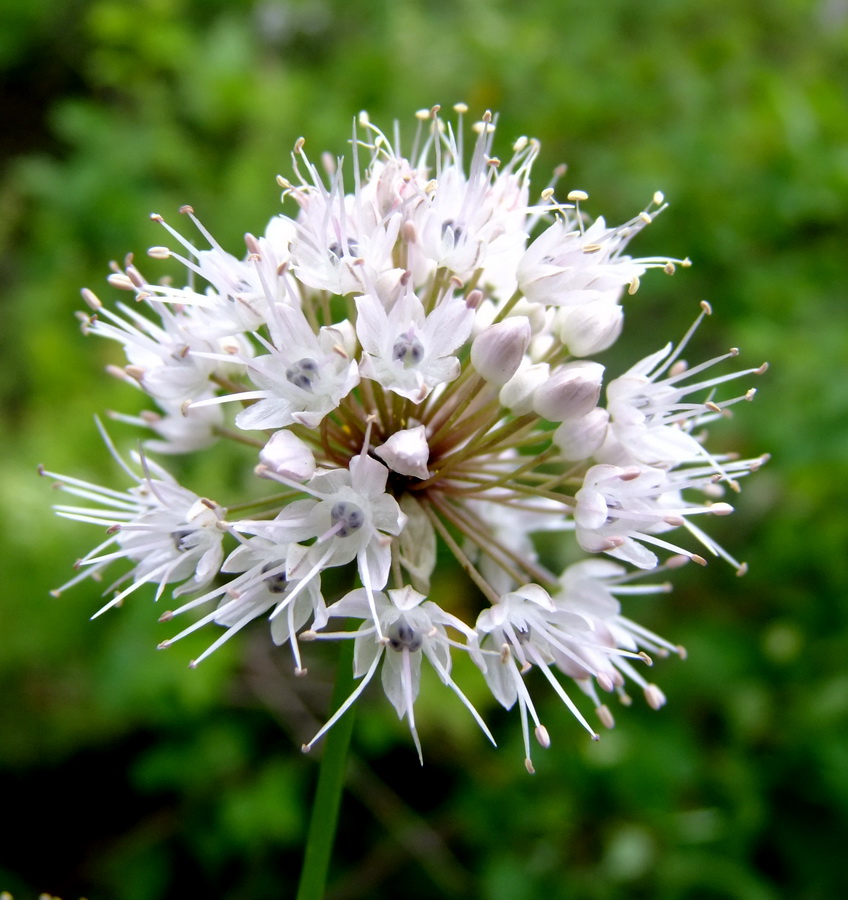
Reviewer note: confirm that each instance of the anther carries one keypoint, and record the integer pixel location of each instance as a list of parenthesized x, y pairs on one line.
[(473, 298), (542, 736), (186, 210), (166, 616), (705, 306), (577, 196), (654, 696), (120, 281), (605, 716), (645, 658)]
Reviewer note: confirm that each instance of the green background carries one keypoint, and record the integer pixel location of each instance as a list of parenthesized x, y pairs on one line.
[(122, 774)]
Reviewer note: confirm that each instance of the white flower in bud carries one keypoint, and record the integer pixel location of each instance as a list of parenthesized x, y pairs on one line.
[(497, 352), (517, 394), (580, 438), (591, 327), (406, 452), (571, 392), (286, 454)]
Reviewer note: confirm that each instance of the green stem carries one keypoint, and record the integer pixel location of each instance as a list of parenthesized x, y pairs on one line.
[(328, 794)]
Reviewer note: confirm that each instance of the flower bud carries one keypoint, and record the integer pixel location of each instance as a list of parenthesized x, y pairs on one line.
[(590, 327), (286, 454), (406, 452), (580, 438), (572, 391), (517, 394), (497, 352)]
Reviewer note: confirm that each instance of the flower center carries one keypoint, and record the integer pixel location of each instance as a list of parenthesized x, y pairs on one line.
[(277, 583), (346, 518), (408, 349), (402, 636), (303, 373)]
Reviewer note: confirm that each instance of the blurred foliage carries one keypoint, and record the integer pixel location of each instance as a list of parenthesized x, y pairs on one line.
[(125, 776)]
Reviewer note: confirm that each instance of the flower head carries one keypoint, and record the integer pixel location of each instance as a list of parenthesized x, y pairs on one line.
[(405, 358)]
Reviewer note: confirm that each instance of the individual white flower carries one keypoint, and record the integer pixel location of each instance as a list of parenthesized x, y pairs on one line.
[(300, 379), (413, 627), (342, 243), (351, 517), (172, 536), (602, 641), (651, 415), (619, 510), (407, 351), (568, 264), (239, 291), (263, 587), (518, 632), (159, 356)]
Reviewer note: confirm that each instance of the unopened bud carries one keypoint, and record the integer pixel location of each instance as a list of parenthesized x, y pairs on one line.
[(406, 452), (571, 392), (517, 394), (590, 327), (581, 437), (286, 454), (498, 350)]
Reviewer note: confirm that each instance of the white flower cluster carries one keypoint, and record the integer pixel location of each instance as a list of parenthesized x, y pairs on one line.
[(411, 368)]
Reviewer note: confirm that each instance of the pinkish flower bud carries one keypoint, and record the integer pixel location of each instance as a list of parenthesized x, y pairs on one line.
[(590, 327), (497, 352), (517, 394), (286, 454), (581, 437), (572, 391), (406, 452)]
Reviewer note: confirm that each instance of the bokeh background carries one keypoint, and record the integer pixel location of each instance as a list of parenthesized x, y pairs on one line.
[(125, 776)]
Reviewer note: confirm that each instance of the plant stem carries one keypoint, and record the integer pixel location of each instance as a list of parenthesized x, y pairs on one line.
[(328, 794)]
